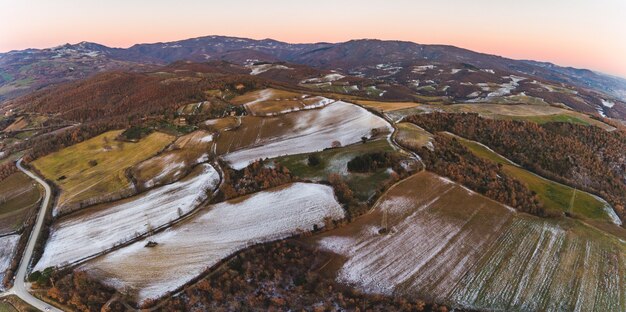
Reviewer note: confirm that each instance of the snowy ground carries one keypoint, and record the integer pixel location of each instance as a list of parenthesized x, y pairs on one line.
[(328, 78), (259, 69), (188, 249), (7, 251), (97, 229), (454, 246), (171, 165), (315, 130)]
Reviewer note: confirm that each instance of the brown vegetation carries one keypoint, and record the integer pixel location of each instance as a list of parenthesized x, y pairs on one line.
[(6, 170), (586, 157), (253, 178), (451, 159), (282, 276)]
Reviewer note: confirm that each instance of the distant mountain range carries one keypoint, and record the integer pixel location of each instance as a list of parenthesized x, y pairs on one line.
[(392, 62)]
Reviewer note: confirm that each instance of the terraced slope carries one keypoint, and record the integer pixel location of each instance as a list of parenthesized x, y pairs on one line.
[(93, 171), (454, 246)]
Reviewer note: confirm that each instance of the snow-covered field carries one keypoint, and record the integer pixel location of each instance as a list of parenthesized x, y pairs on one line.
[(7, 251), (314, 130), (261, 68), (100, 228), (454, 246), (171, 165), (190, 248)]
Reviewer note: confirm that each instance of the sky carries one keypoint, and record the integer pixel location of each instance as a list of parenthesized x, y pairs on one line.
[(580, 33)]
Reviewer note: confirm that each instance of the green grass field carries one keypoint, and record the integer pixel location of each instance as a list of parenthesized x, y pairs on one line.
[(541, 119), (555, 196), (95, 170), (410, 135), (335, 161), (19, 195)]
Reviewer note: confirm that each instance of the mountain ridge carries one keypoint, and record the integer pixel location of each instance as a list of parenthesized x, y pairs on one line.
[(22, 71)]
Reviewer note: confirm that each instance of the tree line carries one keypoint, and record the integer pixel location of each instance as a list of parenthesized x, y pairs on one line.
[(451, 159)]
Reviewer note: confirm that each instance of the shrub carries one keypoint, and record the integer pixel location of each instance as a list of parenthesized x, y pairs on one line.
[(313, 160)]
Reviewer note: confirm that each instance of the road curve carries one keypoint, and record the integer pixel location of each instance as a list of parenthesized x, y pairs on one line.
[(19, 287)]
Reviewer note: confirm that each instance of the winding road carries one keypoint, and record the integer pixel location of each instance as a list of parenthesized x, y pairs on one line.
[(19, 287)]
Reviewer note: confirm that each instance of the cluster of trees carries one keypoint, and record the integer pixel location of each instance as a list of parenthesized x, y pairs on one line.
[(283, 276), (255, 177), (451, 159), (76, 290), (121, 96), (7, 169), (48, 143), (585, 157), (371, 162)]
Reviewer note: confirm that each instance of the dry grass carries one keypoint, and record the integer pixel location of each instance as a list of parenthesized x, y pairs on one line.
[(410, 135), (535, 113), (388, 106), (95, 170), (222, 124), (19, 196), (175, 162)]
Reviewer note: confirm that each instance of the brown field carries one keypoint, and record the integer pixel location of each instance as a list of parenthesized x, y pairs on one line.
[(269, 102), (535, 113), (450, 245), (19, 197), (94, 171), (222, 124), (409, 134), (175, 162), (388, 106)]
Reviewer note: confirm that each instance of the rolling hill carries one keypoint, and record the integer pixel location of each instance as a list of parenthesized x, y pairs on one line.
[(399, 63)]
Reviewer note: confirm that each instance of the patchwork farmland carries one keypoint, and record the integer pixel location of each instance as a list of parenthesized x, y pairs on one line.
[(94, 171), (188, 249), (174, 163), (96, 229), (299, 132)]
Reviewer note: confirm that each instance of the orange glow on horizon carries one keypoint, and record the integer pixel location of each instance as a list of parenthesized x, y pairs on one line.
[(585, 35)]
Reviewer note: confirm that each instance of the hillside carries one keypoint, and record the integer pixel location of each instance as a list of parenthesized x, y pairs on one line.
[(392, 62)]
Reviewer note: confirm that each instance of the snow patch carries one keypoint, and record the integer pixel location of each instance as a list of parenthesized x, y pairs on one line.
[(608, 103), (314, 131), (8, 245)]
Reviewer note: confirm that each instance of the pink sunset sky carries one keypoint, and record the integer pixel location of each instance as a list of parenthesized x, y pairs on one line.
[(580, 33)]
